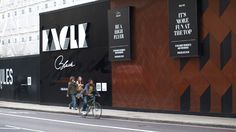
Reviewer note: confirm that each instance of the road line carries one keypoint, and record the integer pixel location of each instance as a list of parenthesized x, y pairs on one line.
[(18, 112), (23, 128), (77, 123), (7, 128)]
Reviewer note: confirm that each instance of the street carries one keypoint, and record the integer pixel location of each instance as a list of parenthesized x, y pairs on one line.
[(32, 121)]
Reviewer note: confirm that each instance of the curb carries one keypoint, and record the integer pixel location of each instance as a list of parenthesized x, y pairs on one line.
[(39, 110), (171, 122), (132, 118)]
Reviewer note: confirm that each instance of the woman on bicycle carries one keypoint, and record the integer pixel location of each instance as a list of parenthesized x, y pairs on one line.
[(89, 92)]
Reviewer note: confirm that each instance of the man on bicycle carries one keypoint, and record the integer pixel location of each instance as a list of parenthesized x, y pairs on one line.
[(89, 92)]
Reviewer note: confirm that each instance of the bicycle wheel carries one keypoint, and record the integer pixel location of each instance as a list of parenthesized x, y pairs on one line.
[(97, 110)]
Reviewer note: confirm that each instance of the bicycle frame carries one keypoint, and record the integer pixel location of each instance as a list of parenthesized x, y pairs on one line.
[(91, 102)]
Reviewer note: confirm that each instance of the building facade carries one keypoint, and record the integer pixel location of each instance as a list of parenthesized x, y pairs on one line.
[(151, 79), (19, 22)]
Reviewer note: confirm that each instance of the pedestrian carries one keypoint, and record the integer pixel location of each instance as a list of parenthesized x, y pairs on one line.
[(79, 89), (0, 85), (80, 84), (72, 92)]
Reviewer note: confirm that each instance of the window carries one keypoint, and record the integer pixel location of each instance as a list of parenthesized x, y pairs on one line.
[(15, 13), (15, 40), (30, 38), (46, 6), (9, 41), (3, 42), (22, 39), (55, 3), (22, 11), (2, 16), (8, 14), (64, 1), (30, 10)]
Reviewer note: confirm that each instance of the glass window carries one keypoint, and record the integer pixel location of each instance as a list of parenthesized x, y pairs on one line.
[(22, 39), (9, 41), (55, 3), (46, 5), (8, 14), (15, 13), (30, 10), (30, 38), (23, 11), (2, 16), (64, 1)]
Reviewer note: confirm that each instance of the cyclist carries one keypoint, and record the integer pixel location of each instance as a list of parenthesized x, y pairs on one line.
[(89, 92)]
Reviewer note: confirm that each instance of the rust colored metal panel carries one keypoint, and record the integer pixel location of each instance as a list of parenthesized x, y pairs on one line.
[(234, 100), (154, 80)]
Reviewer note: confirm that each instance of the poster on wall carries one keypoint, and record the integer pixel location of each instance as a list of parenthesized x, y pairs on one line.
[(183, 28), (119, 34)]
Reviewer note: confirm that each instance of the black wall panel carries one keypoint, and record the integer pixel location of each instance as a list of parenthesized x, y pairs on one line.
[(89, 62), (22, 68)]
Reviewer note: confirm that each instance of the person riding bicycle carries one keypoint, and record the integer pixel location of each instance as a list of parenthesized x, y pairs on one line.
[(89, 92)]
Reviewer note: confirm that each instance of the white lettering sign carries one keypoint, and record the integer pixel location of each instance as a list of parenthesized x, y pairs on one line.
[(182, 26), (118, 32), (6, 76), (60, 64), (61, 42)]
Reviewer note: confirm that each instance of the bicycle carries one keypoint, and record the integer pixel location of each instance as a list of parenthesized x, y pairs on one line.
[(92, 106)]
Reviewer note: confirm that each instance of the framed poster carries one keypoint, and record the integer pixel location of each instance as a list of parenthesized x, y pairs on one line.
[(119, 34), (183, 28)]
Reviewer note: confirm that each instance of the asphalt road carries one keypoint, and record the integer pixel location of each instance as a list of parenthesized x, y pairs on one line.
[(33, 121)]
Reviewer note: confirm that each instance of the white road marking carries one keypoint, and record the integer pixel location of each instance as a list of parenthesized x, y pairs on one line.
[(23, 128), (176, 124), (77, 123), (18, 112), (7, 128)]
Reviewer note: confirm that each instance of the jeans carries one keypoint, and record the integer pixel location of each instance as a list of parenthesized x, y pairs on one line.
[(86, 98), (73, 102), (85, 103)]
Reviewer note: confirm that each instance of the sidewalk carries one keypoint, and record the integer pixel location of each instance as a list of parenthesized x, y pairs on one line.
[(141, 116)]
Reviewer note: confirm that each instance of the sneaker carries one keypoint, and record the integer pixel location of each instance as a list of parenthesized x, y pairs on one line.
[(70, 106), (83, 112)]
